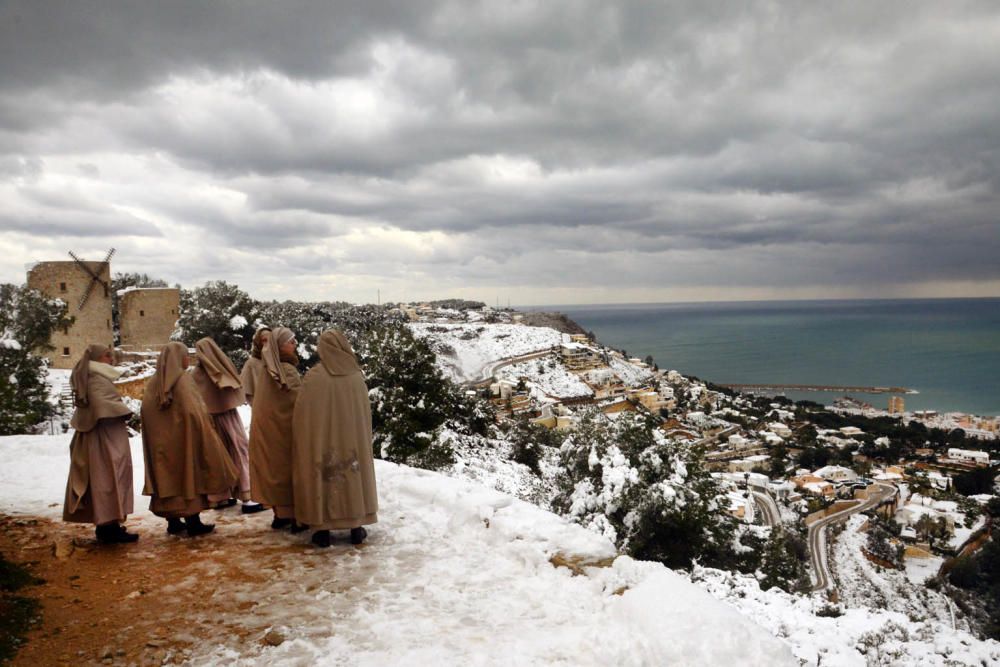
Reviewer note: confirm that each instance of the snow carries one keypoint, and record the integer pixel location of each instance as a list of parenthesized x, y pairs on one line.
[(237, 322), (453, 573), (859, 636), (548, 375), (9, 344), (465, 350), (630, 374)]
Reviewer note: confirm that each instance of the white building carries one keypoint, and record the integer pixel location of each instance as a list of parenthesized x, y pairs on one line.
[(779, 429), (836, 474), (969, 456)]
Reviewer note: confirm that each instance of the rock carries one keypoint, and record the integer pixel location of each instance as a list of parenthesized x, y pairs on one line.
[(274, 638), (62, 548)]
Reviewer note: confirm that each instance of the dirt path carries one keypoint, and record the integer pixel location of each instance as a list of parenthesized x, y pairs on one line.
[(150, 603)]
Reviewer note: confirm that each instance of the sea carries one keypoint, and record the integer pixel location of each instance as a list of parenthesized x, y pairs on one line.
[(947, 350)]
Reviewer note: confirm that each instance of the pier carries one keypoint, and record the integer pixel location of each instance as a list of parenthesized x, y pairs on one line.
[(751, 388)]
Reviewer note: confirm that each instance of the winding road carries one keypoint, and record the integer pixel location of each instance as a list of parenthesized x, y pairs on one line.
[(877, 493), (768, 508)]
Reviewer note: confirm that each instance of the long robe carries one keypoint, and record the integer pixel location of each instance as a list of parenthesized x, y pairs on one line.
[(333, 470), (250, 377), (99, 487), (185, 458), (221, 404), (271, 440)]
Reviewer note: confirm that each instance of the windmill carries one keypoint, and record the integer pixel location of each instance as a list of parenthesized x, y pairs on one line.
[(94, 277)]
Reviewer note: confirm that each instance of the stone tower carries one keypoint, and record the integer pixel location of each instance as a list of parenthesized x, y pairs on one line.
[(70, 281), (148, 316)]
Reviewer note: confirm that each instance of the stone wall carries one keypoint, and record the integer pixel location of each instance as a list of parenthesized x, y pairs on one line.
[(148, 317), (68, 281)]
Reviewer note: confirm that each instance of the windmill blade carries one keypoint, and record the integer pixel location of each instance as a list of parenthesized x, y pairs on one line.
[(108, 257), (86, 295), (83, 266)]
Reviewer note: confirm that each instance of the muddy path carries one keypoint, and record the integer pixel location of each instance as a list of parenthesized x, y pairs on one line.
[(154, 602)]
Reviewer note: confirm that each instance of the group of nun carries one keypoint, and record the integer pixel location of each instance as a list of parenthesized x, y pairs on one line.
[(308, 456)]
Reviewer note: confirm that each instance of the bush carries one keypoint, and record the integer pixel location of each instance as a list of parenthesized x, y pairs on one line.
[(27, 320), (221, 311), (648, 494)]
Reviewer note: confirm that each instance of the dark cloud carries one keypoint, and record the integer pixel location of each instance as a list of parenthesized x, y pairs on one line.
[(490, 143)]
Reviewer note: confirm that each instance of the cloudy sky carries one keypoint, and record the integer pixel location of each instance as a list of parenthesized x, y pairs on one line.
[(542, 152)]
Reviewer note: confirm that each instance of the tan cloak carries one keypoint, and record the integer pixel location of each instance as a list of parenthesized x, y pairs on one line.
[(271, 426), (217, 379), (99, 487), (185, 459), (333, 470), (250, 376)]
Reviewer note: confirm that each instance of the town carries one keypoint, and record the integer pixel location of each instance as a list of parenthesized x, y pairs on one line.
[(782, 463)]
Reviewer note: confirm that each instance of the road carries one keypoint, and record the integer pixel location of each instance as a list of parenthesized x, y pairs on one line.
[(878, 492), (768, 508), (490, 369)]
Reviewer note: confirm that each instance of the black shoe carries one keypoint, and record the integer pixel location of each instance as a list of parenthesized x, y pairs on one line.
[(195, 527), (298, 527), (358, 535), (125, 537), (278, 524), (226, 504), (175, 526), (252, 509), (321, 538), (107, 533)]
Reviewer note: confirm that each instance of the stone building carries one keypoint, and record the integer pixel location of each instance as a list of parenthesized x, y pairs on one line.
[(69, 281), (147, 317)]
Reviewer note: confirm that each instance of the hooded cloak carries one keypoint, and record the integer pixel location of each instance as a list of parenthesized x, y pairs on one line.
[(185, 459), (333, 467), (99, 487), (216, 378), (254, 366), (271, 426)]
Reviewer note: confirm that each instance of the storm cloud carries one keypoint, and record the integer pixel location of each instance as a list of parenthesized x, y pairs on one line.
[(545, 152)]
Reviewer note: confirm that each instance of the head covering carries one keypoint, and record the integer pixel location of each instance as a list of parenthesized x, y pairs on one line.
[(79, 379), (272, 354), (336, 353), (258, 342), (217, 365), (169, 369)]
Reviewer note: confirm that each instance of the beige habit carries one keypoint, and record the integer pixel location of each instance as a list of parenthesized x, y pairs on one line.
[(271, 427), (333, 471), (99, 488), (185, 459), (220, 388), (254, 366)]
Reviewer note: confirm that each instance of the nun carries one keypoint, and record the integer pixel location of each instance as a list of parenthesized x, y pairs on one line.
[(333, 469), (221, 390), (186, 461), (99, 488), (271, 428), (254, 366)]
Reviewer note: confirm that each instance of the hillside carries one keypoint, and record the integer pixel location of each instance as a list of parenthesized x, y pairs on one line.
[(454, 573)]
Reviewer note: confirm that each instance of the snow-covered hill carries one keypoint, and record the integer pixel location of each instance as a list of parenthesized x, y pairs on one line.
[(454, 573), (465, 349)]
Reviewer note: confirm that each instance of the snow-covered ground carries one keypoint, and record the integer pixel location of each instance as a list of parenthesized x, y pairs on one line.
[(547, 375), (865, 636), (453, 573), (463, 350), (917, 506), (629, 373)]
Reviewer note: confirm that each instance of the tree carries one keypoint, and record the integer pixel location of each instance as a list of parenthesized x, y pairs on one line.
[(27, 320), (783, 562), (648, 494), (222, 312), (879, 543)]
